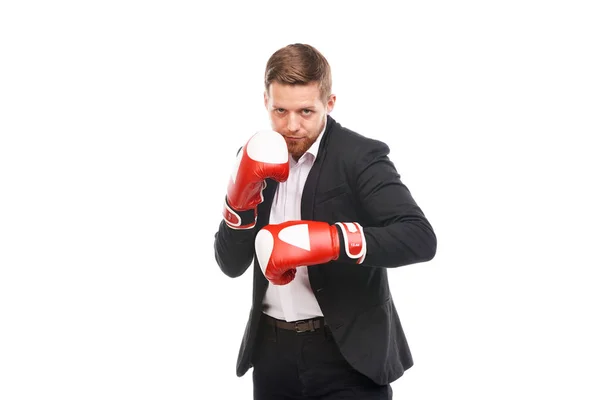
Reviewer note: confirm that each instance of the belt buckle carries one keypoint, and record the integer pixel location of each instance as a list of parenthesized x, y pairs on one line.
[(310, 324)]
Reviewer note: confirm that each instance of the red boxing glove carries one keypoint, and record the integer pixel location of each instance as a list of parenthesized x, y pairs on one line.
[(282, 248), (264, 156)]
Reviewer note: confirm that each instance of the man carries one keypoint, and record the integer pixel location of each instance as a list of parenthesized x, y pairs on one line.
[(321, 212)]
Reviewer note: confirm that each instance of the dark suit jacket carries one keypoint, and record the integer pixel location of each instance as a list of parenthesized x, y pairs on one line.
[(352, 180)]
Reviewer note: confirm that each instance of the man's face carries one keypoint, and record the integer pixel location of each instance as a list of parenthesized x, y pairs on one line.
[(298, 114)]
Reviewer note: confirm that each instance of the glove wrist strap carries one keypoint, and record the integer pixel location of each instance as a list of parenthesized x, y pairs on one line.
[(353, 244), (236, 219)]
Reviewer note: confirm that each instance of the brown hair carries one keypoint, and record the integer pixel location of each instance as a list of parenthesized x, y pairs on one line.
[(299, 64)]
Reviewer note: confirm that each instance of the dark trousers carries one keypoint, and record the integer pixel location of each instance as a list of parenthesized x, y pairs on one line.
[(308, 365)]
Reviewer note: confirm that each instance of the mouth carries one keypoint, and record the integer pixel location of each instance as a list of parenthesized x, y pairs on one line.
[(293, 138)]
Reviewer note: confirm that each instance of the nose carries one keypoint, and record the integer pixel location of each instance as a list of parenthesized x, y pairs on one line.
[(293, 124)]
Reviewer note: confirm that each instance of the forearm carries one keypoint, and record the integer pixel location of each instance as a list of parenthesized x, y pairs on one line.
[(234, 249), (405, 242)]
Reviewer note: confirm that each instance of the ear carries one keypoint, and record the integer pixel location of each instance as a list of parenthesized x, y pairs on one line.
[(331, 103), (266, 98)]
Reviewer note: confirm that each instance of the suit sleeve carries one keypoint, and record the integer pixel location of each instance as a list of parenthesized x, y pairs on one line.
[(234, 249), (398, 233)]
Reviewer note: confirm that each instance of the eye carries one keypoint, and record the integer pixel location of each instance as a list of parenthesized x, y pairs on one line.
[(306, 111), (279, 110)]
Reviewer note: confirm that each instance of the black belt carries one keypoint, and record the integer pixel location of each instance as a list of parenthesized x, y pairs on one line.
[(307, 325)]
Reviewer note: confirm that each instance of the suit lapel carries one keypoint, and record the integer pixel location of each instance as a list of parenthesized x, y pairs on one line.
[(307, 205), (264, 208)]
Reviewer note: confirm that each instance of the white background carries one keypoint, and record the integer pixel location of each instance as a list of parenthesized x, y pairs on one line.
[(119, 122)]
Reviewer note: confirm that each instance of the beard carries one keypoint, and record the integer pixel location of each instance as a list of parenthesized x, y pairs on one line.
[(298, 147)]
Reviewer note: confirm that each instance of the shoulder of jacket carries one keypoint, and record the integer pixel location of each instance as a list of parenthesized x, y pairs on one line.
[(357, 143)]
